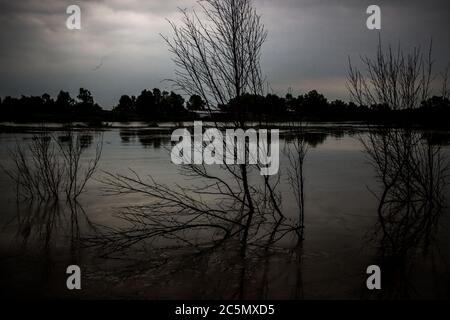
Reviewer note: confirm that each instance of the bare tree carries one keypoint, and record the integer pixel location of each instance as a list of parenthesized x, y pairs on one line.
[(49, 167), (296, 154), (78, 173), (217, 55), (37, 171), (445, 85), (393, 78)]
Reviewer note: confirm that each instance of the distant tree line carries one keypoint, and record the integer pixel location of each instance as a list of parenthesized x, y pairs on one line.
[(157, 105), (151, 105), (36, 108)]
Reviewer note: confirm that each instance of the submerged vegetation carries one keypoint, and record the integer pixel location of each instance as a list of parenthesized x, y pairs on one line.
[(50, 167)]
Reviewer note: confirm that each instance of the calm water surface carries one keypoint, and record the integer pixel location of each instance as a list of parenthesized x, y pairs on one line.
[(340, 239)]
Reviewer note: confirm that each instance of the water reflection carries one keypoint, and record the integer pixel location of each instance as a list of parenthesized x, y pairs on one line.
[(52, 222), (225, 235), (47, 240), (174, 254), (413, 174), (85, 139), (149, 139), (146, 138), (313, 139)]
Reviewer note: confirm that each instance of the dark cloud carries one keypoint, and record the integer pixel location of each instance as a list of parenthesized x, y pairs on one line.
[(308, 45)]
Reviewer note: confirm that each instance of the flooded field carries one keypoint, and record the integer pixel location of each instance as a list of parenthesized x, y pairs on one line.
[(144, 229)]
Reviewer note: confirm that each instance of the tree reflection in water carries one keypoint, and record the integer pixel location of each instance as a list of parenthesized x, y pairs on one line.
[(46, 241), (230, 218), (188, 242), (413, 175), (47, 223)]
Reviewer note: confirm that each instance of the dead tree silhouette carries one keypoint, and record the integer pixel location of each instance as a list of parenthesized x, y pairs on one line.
[(393, 78), (217, 54)]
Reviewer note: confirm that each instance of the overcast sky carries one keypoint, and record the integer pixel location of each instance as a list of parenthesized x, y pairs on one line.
[(119, 49)]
